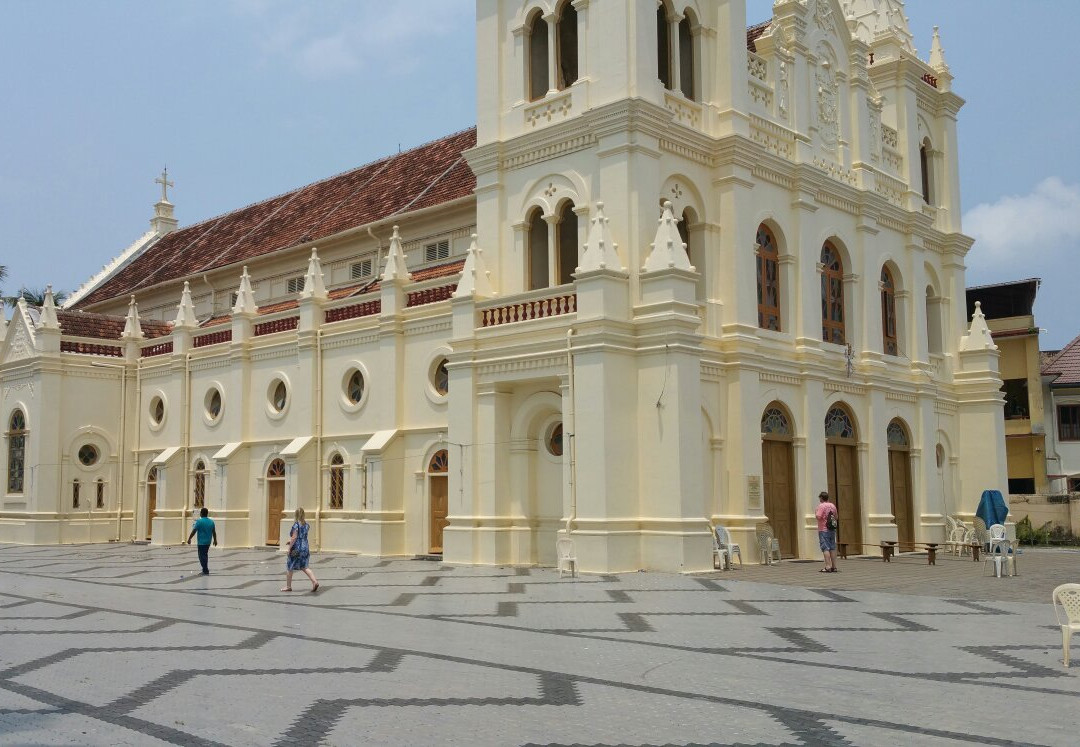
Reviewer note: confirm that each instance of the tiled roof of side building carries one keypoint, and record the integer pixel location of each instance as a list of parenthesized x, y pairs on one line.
[(428, 175), (105, 326), (1066, 364), (753, 32)]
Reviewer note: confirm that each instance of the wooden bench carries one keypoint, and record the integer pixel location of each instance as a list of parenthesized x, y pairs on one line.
[(889, 547)]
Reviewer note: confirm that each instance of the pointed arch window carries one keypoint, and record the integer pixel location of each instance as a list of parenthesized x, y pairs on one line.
[(768, 279), (775, 422), (687, 58), (896, 436), (663, 46), (99, 486), (536, 34), (16, 437), (440, 462), (888, 313), (75, 488), (200, 484), (832, 295), (337, 481), (566, 251), (924, 170), (538, 250), (838, 423), (276, 470), (566, 45)]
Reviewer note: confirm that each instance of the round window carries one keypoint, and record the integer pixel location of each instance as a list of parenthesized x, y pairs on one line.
[(279, 395), (213, 404), (555, 440), (88, 455), (157, 410), (440, 378), (354, 387)]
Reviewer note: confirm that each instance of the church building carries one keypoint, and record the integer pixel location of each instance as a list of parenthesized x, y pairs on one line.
[(682, 273)]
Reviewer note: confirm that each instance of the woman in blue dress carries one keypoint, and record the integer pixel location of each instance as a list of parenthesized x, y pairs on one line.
[(299, 552)]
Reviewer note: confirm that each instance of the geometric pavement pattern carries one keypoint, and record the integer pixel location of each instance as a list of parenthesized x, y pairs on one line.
[(130, 644)]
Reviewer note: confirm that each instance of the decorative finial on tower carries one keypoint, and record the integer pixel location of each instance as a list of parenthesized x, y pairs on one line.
[(245, 296), (937, 54), (132, 327), (395, 270), (978, 336), (185, 310), (313, 280), (163, 221), (668, 249), (475, 278), (600, 251), (47, 319)]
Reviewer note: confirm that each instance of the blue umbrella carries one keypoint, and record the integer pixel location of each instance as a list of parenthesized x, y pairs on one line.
[(992, 509)]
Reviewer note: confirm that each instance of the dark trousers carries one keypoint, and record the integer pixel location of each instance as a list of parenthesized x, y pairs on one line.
[(204, 557)]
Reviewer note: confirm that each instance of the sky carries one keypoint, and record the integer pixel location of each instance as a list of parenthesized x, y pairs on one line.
[(245, 99)]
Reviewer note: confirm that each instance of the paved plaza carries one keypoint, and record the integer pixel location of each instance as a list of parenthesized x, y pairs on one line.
[(129, 644)]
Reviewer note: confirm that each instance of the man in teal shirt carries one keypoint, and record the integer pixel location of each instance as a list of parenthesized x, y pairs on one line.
[(204, 527)]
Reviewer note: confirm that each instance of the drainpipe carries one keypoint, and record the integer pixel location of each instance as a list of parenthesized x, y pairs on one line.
[(187, 443), (568, 431), (363, 482)]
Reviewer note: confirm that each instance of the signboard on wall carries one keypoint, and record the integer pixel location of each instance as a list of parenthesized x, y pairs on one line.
[(753, 491)]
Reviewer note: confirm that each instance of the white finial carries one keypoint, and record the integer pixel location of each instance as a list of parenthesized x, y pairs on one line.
[(163, 180), (937, 54), (313, 280), (600, 251), (48, 319), (395, 270), (668, 249), (245, 296), (132, 327), (475, 279), (185, 310), (978, 336)]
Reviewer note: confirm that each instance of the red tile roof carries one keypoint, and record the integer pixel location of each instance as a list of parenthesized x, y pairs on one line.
[(753, 32), (1066, 364), (104, 326), (422, 177)]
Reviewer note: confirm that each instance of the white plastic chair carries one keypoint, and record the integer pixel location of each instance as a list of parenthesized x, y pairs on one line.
[(729, 549), (768, 545), (1068, 596), (720, 557), (566, 559), (998, 543)]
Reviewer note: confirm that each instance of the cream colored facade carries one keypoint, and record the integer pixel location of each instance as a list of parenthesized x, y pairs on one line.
[(605, 379)]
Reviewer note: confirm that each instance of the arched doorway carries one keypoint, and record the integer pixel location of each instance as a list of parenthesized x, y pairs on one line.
[(900, 483), (151, 500), (778, 476), (275, 500), (437, 500), (842, 464)]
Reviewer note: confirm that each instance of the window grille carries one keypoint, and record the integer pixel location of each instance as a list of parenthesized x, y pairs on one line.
[(295, 285), (438, 250), (361, 269)]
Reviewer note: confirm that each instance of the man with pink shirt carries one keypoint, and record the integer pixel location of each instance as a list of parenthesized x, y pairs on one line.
[(827, 522)]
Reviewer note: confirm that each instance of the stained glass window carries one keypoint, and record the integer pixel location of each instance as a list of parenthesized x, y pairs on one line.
[(337, 481), (768, 280), (895, 434), (354, 390), (888, 312), (276, 469), (213, 404), (200, 484), (439, 462), (838, 423), (16, 451), (280, 396), (775, 422), (555, 441), (88, 455), (157, 410), (441, 378), (832, 295)]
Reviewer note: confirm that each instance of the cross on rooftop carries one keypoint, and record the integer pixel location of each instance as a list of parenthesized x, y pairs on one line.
[(163, 180)]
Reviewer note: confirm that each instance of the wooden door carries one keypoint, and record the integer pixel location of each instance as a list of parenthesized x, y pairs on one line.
[(275, 507), (900, 489), (151, 507), (843, 470), (779, 487), (439, 507)]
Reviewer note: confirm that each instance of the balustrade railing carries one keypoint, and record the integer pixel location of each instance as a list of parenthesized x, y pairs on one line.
[(276, 325), (161, 348), (224, 335), (529, 308)]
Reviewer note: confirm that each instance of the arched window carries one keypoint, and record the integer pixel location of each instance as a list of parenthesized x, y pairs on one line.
[(775, 422), (663, 46), (896, 436), (768, 279), (832, 295), (16, 436), (695, 252), (75, 486), (100, 497), (536, 35), (838, 423), (888, 313), (924, 168), (567, 250), (439, 462), (566, 46), (687, 57), (337, 481), (200, 484), (538, 250), (276, 470)]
